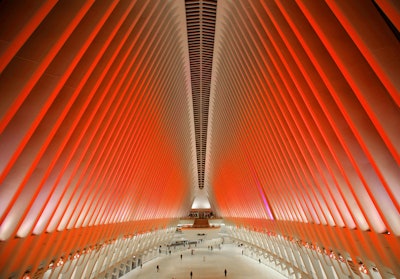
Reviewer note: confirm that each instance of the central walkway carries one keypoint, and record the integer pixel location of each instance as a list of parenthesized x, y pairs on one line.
[(205, 263)]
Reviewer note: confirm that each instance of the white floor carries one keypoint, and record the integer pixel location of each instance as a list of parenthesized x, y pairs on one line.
[(205, 263)]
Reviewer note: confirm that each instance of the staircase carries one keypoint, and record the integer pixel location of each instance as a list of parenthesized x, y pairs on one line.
[(200, 223)]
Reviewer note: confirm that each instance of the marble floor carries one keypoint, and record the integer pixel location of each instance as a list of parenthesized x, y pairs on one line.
[(205, 263)]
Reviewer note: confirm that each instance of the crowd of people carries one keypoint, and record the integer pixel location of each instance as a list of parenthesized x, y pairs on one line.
[(225, 272)]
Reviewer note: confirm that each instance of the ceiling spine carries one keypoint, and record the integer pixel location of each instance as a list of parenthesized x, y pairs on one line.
[(200, 17)]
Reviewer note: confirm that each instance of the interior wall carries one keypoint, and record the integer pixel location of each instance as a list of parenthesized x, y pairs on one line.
[(304, 124), (96, 127)]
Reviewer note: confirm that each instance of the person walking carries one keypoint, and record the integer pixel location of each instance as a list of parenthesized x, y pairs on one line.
[(225, 272), (181, 256), (191, 274), (158, 268)]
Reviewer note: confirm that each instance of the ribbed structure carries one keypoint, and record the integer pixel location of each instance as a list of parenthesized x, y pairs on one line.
[(304, 136), (97, 137), (113, 112)]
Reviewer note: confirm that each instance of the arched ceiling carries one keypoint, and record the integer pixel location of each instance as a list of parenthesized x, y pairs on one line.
[(305, 114), (116, 115)]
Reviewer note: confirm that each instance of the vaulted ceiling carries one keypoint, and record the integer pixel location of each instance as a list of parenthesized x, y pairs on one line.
[(116, 115)]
